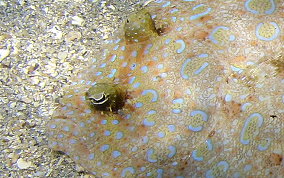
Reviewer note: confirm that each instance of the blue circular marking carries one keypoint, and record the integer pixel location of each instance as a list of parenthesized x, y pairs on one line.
[(195, 157), (104, 147), (82, 124), (178, 101), (247, 167), (92, 134), (149, 154), (172, 128), (75, 133), (182, 47), (115, 122), (204, 118), (134, 149), (212, 38), (107, 133), (269, 11), (266, 146), (228, 98), (160, 173), (161, 134), (196, 16), (66, 128), (167, 41), (91, 156), (173, 151), (138, 105), (176, 111), (134, 53), (104, 122), (60, 135), (119, 135), (182, 71), (131, 170), (112, 59), (166, 4), (174, 10), (116, 47), (136, 85), (53, 126), (198, 71), (145, 139), (116, 154), (246, 124), (271, 38), (178, 29), (99, 73), (72, 141), (144, 69), (153, 92), (146, 122), (103, 65), (113, 71), (147, 50)]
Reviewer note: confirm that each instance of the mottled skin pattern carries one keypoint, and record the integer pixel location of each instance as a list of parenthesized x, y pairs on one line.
[(205, 94)]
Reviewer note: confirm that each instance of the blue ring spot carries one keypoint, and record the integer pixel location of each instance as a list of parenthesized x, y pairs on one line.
[(131, 170), (245, 127), (271, 38), (264, 147), (270, 11), (204, 118), (153, 92), (149, 154), (182, 48), (196, 16)]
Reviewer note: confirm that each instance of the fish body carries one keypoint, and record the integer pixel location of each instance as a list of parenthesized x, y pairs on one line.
[(203, 96)]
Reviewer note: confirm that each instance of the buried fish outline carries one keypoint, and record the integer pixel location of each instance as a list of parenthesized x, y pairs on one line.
[(203, 94)]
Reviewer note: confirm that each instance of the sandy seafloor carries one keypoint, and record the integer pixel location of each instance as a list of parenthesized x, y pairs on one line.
[(42, 45)]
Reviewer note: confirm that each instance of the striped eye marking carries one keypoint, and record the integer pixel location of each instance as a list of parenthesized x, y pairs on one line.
[(106, 97), (98, 99)]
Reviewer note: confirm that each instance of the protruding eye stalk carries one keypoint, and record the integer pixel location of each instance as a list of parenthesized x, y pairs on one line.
[(106, 97), (140, 27)]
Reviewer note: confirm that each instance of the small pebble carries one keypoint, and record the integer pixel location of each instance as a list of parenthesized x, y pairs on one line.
[(22, 164), (62, 55), (71, 36), (77, 21), (4, 53)]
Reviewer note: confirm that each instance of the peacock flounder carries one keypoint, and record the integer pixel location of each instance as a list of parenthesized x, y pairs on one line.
[(188, 88)]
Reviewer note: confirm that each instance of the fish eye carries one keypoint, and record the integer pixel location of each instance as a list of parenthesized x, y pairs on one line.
[(100, 98), (106, 97)]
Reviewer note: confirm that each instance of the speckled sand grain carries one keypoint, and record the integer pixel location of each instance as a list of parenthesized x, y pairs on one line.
[(42, 44)]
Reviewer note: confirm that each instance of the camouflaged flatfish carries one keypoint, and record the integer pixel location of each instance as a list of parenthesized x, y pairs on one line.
[(188, 88)]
